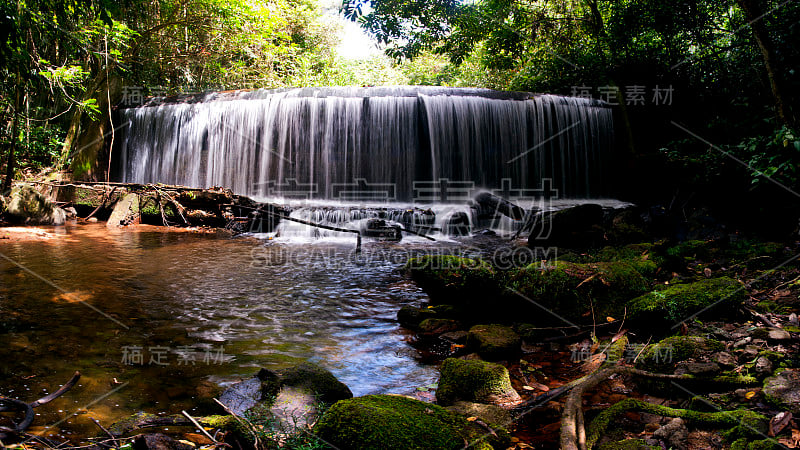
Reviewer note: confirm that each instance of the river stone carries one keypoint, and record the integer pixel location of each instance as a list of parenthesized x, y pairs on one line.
[(317, 381), (783, 390), (772, 334), (244, 395), (27, 205), (675, 434), (475, 381), (494, 342)]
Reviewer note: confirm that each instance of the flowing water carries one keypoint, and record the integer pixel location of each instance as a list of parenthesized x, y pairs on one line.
[(386, 144), (202, 310)]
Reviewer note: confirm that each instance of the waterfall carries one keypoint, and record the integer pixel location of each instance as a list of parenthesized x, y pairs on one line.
[(422, 144)]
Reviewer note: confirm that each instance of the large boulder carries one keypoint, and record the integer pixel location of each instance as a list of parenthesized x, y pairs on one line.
[(475, 381), (576, 227), (783, 390), (27, 205), (291, 396), (391, 421), (494, 342), (571, 289), (316, 380), (453, 280), (679, 302)]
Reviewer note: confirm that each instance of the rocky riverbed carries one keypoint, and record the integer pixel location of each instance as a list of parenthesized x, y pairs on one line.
[(609, 332)]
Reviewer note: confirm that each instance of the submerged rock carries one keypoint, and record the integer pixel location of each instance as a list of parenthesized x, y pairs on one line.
[(390, 421), (494, 342), (27, 205), (475, 381)]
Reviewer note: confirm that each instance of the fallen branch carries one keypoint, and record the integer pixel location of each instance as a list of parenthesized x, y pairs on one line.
[(10, 404)]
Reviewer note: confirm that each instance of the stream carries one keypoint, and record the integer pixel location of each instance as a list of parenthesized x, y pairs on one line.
[(159, 320)]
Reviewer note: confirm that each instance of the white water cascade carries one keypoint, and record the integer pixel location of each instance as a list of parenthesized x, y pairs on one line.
[(425, 145)]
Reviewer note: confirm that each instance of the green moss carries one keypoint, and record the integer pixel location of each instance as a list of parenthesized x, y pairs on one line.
[(763, 444), (230, 424), (494, 341), (388, 421), (628, 444), (474, 381), (316, 380), (680, 301), (438, 326), (570, 289), (737, 422), (453, 280), (664, 355)]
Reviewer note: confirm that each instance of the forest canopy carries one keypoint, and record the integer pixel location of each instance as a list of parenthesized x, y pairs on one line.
[(724, 69)]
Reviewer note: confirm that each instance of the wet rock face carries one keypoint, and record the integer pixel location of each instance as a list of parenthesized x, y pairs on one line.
[(783, 390), (27, 205)]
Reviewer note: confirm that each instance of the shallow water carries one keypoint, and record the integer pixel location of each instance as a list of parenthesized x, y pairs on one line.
[(201, 311)]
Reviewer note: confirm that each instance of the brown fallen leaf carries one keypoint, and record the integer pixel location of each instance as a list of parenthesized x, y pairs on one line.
[(707, 272), (777, 423)]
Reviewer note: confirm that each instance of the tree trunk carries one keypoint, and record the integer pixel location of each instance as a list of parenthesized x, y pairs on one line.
[(12, 149), (753, 13)]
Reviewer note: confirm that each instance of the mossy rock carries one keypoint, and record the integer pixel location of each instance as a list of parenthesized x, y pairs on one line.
[(627, 444), (233, 426), (474, 381), (643, 257), (317, 380), (678, 302), (390, 421), (438, 326), (762, 444), (27, 205), (494, 342), (453, 280), (783, 390), (571, 289), (664, 355), (411, 317), (493, 415)]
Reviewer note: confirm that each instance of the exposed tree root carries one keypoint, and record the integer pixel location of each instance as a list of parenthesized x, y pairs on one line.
[(573, 432), (10, 404)]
